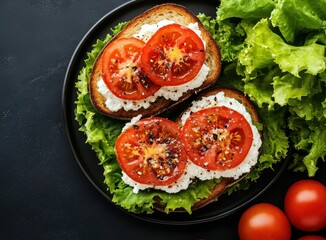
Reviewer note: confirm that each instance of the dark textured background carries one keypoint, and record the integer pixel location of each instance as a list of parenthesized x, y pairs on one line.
[(43, 192)]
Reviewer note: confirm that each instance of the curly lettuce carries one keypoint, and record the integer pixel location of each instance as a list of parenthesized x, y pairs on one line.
[(252, 10), (295, 16), (281, 62)]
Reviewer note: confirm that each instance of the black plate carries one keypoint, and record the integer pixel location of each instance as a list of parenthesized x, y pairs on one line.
[(87, 159)]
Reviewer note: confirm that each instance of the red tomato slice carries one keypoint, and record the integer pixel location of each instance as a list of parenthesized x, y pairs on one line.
[(151, 152), (217, 138), (173, 55), (121, 70)]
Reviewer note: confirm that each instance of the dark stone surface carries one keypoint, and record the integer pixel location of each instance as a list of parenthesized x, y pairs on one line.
[(43, 192)]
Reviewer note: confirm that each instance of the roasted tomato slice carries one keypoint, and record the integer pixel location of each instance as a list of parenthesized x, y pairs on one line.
[(121, 70), (217, 138), (151, 152), (173, 55)]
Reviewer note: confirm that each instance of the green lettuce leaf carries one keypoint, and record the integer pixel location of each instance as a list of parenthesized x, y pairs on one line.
[(209, 23), (265, 48), (144, 201), (244, 9), (230, 37), (309, 137), (310, 108), (293, 16), (276, 142), (288, 87), (260, 88)]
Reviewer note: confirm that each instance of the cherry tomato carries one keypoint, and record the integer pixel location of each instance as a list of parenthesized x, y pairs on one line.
[(305, 205), (121, 70), (312, 237), (173, 55), (264, 221), (151, 152), (217, 138)]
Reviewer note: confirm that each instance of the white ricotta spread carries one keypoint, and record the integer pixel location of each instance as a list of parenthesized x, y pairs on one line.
[(133, 121), (181, 184), (114, 103), (193, 171)]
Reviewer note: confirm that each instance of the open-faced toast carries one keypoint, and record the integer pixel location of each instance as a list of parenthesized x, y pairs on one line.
[(225, 183), (179, 15)]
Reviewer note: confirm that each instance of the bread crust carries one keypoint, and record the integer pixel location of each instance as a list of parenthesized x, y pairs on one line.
[(225, 183), (180, 15)]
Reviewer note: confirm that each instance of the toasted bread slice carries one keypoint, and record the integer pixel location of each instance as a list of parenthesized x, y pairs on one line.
[(225, 182), (180, 15)]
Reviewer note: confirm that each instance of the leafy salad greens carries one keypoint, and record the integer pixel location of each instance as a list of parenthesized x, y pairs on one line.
[(277, 49), (274, 51)]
